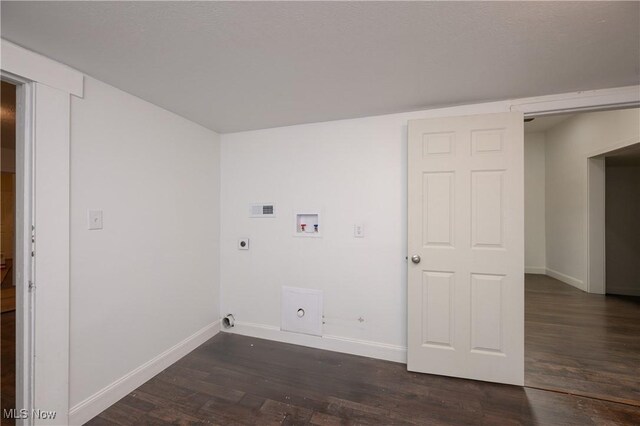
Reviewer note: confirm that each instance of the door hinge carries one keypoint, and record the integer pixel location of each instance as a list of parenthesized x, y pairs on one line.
[(32, 285)]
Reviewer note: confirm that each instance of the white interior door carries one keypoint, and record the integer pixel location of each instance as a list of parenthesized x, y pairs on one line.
[(466, 231)]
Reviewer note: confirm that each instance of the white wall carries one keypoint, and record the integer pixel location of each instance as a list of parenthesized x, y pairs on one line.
[(534, 204), (567, 147), (355, 170), (149, 279), (623, 229)]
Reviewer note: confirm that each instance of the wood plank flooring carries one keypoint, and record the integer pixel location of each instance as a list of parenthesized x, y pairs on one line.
[(7, 299), (7, 290), (575, 343), (233, 379), (7, 364), (581, 343)]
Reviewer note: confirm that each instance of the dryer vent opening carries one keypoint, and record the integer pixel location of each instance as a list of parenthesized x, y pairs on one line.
[(228, 321)]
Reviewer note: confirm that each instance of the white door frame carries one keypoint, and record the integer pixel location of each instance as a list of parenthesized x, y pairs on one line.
[(24, 220), (590, 100), (595, 252), (42, 281)]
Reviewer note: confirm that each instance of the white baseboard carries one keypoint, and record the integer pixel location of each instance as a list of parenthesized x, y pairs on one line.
[(535, 270), (103, 399), (567, 279), (331, 343)]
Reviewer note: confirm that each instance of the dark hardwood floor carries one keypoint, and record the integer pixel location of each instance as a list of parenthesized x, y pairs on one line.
[(581, 343), (233, 379), (584, 349), (7, 364), (7, 290)]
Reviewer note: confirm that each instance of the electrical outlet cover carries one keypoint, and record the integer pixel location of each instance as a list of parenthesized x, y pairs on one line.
[(302, 310), (95, 219)]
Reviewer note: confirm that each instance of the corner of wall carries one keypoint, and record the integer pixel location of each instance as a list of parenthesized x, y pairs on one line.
[(112, 393)]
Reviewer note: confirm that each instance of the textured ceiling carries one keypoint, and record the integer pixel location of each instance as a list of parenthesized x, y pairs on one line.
[(234, 66)]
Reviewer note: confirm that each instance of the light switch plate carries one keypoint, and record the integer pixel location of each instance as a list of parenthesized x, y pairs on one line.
[(95, 219), (358, 230)]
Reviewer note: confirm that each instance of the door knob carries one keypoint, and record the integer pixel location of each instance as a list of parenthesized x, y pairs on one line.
[(415, 258)]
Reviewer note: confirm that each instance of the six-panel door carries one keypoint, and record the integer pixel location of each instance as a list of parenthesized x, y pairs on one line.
[(466, 222)]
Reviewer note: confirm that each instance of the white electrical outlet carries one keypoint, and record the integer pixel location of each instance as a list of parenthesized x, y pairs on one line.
[(358, 231)]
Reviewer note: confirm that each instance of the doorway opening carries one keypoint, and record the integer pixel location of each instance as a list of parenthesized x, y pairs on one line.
[(8, 259), (622, 224), (582, 202)]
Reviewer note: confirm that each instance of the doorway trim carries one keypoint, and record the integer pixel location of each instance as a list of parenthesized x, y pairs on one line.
[(595, 251), (585, 101), (44, 88), (23, 245)]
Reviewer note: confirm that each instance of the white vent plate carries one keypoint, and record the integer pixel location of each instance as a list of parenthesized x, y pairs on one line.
[(301, 310), (262, 210)]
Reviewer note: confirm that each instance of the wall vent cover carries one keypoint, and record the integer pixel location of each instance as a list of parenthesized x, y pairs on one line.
[(262, 210), (302, 310)]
